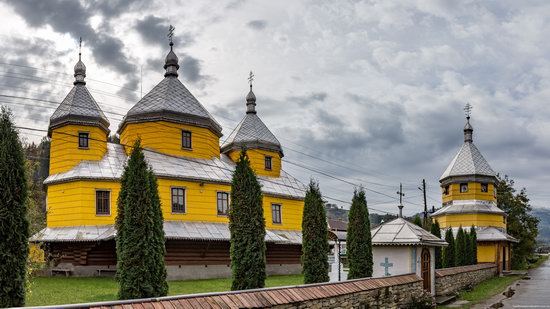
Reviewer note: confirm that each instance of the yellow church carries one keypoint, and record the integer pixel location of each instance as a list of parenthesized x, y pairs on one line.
[(469, 198), (181, 141)]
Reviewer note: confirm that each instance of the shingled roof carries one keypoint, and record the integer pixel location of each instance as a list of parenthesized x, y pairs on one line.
[(402, 232), (79, 107), (171, 101), (251, 132), (468, 161)]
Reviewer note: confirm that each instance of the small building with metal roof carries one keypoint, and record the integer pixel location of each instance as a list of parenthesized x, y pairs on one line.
[(401, 247)]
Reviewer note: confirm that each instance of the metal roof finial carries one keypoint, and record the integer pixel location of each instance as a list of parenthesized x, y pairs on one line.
[(171, 65), (468, 129), (79, 68), (251, 97)]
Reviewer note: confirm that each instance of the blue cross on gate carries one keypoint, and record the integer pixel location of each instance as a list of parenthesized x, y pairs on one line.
[(386, 265)]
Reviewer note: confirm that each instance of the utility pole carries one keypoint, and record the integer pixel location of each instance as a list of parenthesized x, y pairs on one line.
[(401, 194), (423, 189)]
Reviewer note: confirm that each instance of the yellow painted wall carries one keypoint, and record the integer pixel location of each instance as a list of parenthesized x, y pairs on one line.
[(257, 161), (64, 151), (73, 204), (474, 193), (486, 252), (467, 220), (165, 137)]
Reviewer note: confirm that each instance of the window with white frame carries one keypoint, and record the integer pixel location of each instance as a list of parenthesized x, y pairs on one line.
[(223, 203), (276, 213)]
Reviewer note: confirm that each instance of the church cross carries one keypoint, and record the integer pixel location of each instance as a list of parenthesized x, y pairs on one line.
[(250, 78), (401, 194), (468, 110), (171, 33), (386, 266)]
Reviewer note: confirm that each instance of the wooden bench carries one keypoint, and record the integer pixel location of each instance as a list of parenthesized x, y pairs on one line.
[(106, 270), (62, 268)]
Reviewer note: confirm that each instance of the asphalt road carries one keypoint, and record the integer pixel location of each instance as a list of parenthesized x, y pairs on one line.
[(533, 293)]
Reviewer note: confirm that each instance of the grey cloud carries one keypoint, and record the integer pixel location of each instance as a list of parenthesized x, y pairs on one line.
[(257, 24), (114, 8), (305, 100), (154, 29)]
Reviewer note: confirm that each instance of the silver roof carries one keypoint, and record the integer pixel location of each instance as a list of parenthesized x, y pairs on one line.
[(486, 233), (79, 107), (217, 170), (170, 100), (403, 232), (469, 207), (184, 230), (468, 161), (252, 133)]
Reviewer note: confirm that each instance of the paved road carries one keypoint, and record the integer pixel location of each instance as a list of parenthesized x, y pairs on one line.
[(534, 293)]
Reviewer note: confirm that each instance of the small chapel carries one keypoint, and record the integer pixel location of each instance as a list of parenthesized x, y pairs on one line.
[(401, 247), (469, 198), (181, 142)]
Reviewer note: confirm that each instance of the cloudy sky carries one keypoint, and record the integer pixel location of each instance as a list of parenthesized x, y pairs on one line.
[(369, 92)]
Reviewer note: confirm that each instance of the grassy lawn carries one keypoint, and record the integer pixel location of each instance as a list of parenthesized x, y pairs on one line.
[(485, 290), (542, 259), (61, 290)]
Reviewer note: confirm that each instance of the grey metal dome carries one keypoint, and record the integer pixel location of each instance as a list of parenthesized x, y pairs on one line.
[(171, 63), (79, 71)]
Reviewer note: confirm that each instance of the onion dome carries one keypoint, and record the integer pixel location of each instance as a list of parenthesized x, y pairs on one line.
[(79, 107), (251, 132), (171, 101), (468, 163)]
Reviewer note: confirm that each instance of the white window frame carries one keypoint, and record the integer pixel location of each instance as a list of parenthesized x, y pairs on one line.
[(280, 213)]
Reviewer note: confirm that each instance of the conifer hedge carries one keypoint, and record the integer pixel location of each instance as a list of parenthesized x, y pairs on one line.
[(449, 259), (314, 237), (359, 244), (140, 242), (473, 239), (247, 228), (14, 227), (436, 230), (460, 248)]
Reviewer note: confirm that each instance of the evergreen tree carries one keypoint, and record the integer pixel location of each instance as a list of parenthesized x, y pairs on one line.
[(521, 224), (140, 236), (314, 237), (468, 245), (473, 239), (247, 227), (436, 230), (14, 227), (417, 220), (449, 259), (460, 248), (359, 243)]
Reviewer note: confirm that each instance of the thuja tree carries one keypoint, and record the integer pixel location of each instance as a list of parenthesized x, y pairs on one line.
[(14, 228), (468, 248), (449, 252), (473, 240), (140, 236), (314, 236), (436, 230), (460, 247), (359, 243), (247, 228)]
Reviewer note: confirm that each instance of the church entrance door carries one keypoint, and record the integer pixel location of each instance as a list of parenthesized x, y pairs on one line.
[(426, 269)]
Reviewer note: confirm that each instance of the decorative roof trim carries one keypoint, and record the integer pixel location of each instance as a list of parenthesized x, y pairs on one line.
[(187, 119), (468, 178), (78, 120), (252, 145)]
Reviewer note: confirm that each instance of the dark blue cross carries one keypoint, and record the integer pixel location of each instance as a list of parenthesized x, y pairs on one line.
[(386, 265)]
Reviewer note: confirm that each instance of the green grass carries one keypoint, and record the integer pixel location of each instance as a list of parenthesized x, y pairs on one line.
[(61, 290), (485, 290), (542, 259)]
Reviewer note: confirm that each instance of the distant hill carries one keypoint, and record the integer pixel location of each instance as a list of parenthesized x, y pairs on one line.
[(543, 214), (336, 212)]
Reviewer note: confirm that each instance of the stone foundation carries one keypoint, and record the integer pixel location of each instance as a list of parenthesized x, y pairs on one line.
[(448, 281)]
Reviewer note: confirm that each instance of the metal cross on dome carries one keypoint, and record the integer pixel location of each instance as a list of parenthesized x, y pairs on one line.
[(250, 78), (171, 33), (468, 110)]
